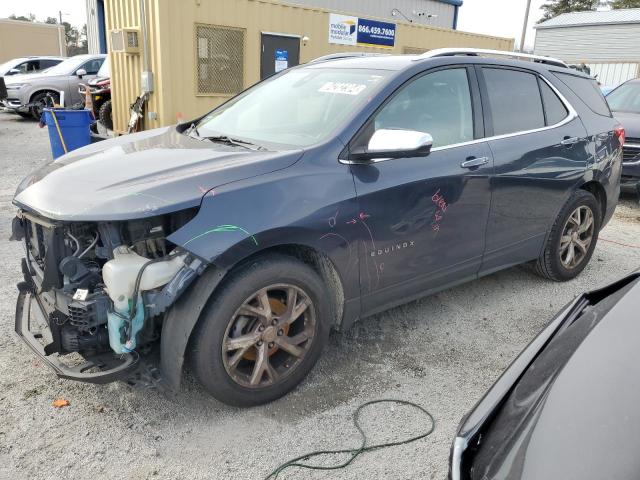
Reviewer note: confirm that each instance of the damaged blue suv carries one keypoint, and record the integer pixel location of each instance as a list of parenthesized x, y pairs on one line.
[(324, 194)]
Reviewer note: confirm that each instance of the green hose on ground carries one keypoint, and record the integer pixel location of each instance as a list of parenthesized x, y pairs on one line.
[(354, 451)]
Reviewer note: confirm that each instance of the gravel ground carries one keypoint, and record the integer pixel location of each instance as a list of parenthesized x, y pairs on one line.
[(442, 352)]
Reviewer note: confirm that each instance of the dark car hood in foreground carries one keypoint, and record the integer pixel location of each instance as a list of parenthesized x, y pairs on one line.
[(580, 420), (630, 122), (140, 175)]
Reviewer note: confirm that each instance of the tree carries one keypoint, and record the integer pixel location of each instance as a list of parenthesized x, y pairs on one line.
[(51, 20), (616, 4), (557, 7), (30, 18)]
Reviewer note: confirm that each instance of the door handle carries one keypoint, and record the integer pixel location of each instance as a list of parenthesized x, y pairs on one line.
[(569, 141), (472, 162)]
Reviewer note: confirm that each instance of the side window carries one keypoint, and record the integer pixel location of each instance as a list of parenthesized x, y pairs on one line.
[(588, 91), (33, 66), (437, 103), (514, 99), (48, 63), (93, 66), (23, 67), (554, 109)]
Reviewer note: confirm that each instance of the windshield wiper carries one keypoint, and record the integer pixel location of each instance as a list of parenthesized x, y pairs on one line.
[(234, 141)]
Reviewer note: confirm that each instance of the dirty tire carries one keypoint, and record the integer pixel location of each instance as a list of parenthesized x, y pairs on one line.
[(220, 318), (105, 115), (40, 101), (550, 264)]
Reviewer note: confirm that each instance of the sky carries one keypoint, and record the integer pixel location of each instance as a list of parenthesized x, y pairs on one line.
[(73, 11), (502, 18)]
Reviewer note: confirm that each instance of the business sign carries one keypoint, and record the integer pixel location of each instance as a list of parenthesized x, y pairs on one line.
[(282, 60), (347, 30)]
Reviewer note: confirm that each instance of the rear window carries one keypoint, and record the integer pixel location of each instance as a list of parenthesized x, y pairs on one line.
[(588, 91), (514, 99)]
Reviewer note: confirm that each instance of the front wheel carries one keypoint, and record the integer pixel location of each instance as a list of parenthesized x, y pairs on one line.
[(41, 101), (572, 238), (105, 114), (262, 332)]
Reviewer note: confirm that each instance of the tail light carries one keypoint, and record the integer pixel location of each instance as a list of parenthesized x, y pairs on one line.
[(619, 134)]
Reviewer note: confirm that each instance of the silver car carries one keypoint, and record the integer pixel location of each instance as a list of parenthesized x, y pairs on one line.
[(28, 94)]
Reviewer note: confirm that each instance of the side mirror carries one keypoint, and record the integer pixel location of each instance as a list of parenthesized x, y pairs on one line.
[(81, 72), (386, 143), (13, 71)]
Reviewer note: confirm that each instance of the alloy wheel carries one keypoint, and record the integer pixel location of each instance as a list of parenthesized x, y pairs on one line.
[(576, 238), (269, 336)]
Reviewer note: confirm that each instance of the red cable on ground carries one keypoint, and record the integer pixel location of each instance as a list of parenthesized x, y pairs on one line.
[(618, 243)]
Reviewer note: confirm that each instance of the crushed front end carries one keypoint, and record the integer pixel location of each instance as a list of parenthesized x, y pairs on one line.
[(94, 294)]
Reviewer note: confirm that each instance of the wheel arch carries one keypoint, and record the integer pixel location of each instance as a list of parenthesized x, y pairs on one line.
[(43, 90), (183, 317), (597, 190)]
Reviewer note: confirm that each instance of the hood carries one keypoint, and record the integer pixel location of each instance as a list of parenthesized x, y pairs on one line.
[(93, 82), (574, 413), (630, 122), (140, 175)]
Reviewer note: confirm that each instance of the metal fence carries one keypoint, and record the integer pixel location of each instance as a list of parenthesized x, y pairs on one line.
[(220, 60), (613, 74)]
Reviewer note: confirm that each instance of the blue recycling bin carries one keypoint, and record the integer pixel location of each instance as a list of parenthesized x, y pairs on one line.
[(68, 129)]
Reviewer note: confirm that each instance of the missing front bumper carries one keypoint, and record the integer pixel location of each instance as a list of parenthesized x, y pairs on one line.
[(99, 368)]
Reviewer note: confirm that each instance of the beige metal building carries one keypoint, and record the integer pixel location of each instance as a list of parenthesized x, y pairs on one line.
[(21, 39), (202, 52)]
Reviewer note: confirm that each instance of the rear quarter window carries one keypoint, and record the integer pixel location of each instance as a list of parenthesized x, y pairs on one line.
[(587, 90), (555, 110)]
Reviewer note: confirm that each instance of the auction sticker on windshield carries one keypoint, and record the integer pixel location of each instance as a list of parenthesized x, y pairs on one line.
[(342, 88)]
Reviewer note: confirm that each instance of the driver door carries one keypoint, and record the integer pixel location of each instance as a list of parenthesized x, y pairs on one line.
[(91, 67), (423, 220)]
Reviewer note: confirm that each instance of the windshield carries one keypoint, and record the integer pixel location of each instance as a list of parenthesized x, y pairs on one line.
[(104, 69), (68, 66), (625, 98), (298, 108)]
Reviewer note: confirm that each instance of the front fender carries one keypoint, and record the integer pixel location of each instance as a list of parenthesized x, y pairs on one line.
[(178, 324), (296, 206)]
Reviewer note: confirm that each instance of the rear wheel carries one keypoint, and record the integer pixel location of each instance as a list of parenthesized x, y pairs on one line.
[(263, 332), (572, 239)]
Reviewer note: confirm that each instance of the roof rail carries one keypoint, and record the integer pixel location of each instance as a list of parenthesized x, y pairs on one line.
[(446, 52), (338, 56)]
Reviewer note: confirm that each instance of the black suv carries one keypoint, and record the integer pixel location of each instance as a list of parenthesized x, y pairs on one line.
[(326, 193)]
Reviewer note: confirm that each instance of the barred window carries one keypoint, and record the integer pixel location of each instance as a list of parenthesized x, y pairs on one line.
[(220, 57)]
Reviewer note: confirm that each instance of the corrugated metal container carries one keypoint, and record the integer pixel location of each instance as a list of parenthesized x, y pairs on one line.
[(593, 43), (613, 74), (175, 51), (383, 8), (21, 39)]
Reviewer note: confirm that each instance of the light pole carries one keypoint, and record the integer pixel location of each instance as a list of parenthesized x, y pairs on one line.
[(524, 26), (60, 15)]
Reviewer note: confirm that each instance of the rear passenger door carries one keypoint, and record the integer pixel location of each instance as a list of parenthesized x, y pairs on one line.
[(540, 152)]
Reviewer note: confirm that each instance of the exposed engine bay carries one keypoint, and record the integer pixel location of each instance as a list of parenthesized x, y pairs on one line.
[(105, 286)]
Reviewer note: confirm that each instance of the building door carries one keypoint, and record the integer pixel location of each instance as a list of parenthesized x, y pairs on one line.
[(278, 52)]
